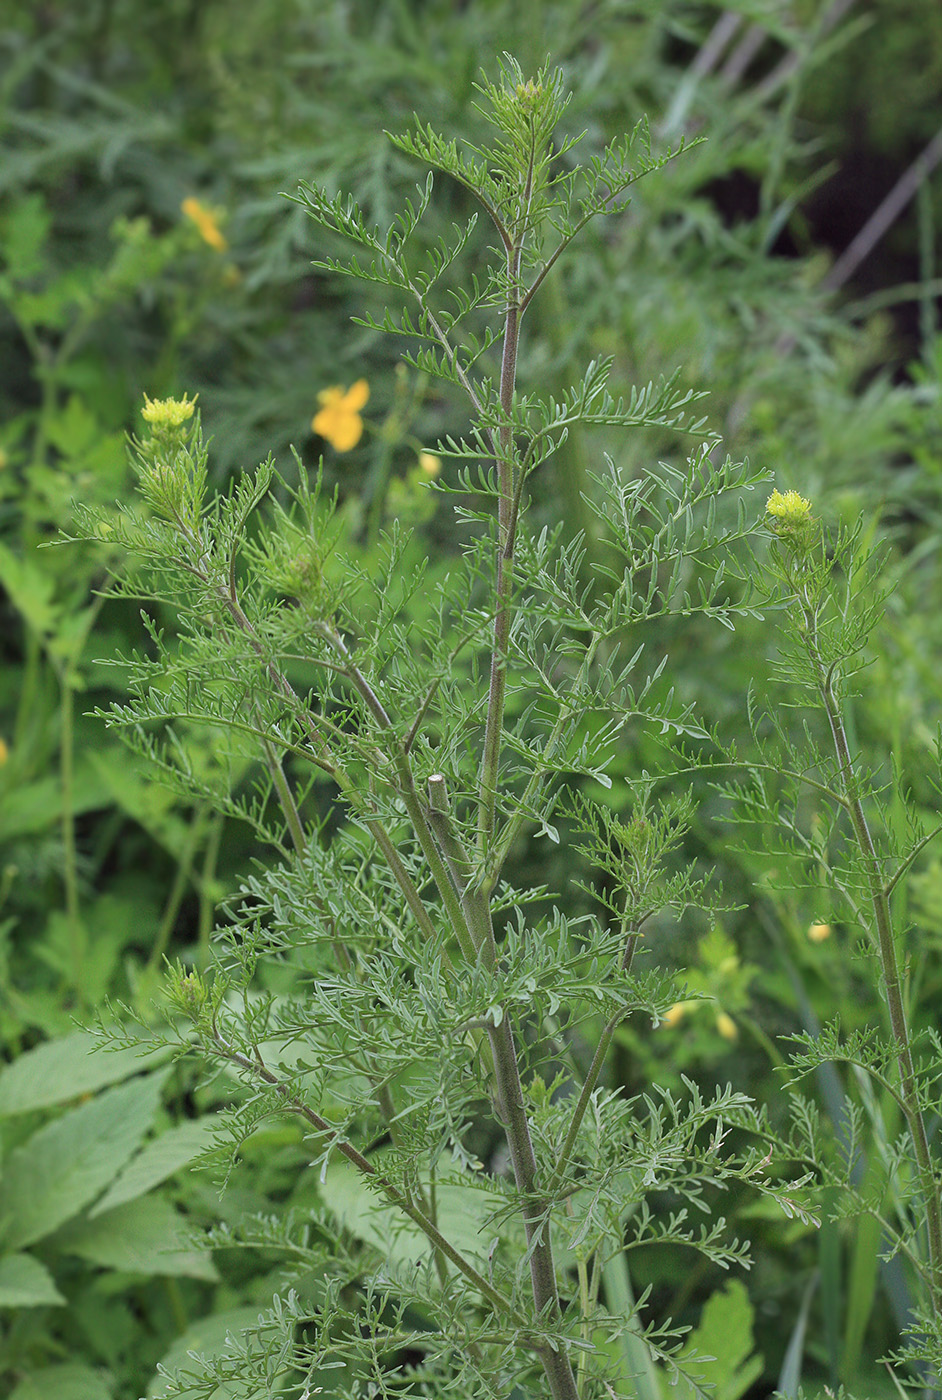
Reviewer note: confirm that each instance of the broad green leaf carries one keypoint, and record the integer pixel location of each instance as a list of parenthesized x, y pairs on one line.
[(30, 590), (69, 1382), (34, 807), (24, 231), (67, 1163), (148, 803), (725, 1334), (462, 1217), (25, 1283), (156, 1161), (74, 428), (60, 1070), (140, 1237)]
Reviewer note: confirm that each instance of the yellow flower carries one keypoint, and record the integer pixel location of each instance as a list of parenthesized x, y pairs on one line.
[(819, 932), (206, 221), (339, 418), (789, 514), (677, 1013), (727, 1026), (430, 463), (4, 752), (167, 413)]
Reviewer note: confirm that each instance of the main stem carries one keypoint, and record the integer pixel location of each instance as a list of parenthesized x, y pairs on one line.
[(509, 1100)]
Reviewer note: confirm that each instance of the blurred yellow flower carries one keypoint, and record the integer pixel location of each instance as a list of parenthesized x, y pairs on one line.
[(819, 932), (338, 419), (4, 752), (206, 221), (727, 1026), (430, 463), (677, 1013)]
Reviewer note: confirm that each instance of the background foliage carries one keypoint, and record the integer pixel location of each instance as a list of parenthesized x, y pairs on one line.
[(113, 116)]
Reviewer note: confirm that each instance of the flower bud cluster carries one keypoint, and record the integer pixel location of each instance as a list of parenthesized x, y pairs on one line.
[(788, 516), (172, 461)]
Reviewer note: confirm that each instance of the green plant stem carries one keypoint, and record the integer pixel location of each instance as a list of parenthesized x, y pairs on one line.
[(592, 1077), (506, 532), (207, 875), (177, 890), (888, 958), (509, 1098), (515, 823), (510, 1105), (324, 760), (382, 1092), (407, 791), (286, 800), (70, 857), (366, 1168)]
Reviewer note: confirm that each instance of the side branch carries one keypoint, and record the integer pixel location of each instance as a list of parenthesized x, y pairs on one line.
[(392, 1192)]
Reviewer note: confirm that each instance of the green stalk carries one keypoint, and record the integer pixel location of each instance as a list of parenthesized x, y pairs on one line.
[(509, 1099), (207, 875), (366, 1168), (70, 857), (889, 960), (592, 1077), (177, 889)]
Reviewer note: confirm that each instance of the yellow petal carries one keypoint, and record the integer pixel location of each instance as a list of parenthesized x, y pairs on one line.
[(356, 396)]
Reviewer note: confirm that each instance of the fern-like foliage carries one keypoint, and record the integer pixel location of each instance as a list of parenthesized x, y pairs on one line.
[(392, 737)]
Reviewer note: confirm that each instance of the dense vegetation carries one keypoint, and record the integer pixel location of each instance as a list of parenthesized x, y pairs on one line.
[(146, 249)]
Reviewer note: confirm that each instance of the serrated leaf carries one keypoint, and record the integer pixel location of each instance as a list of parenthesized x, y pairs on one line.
[(69, 1382), (67, 1163), (146, 1236), (25, 1283), (59, 1070), (155, 1162)]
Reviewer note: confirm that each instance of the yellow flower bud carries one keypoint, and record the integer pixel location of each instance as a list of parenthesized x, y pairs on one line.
[(167, 415), (727, 1026), (206, 221)]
